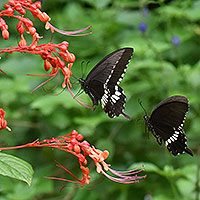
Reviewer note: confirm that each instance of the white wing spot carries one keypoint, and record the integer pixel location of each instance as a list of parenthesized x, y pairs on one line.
[(175, 135), (115, 97), (117, 93), (113, 100), (175, 138)]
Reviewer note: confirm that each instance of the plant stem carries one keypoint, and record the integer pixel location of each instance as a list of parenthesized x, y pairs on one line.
[(175, 192)]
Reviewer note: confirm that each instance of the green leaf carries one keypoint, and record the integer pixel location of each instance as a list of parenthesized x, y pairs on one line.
[(14, 167)]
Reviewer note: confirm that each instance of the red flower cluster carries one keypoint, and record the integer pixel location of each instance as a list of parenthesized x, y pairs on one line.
[(24, 24), (3, 122), (17, 9), (51, 60), (74, 144)]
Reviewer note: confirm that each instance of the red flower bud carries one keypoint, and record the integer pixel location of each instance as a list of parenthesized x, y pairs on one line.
[(46, 17), (63, 46), (74, 132), (12, 2), (42, 16), (79, 137), (77, 148), (32, 30), (72, 58), (85, 162), (44, 55), (85, 144), (18, 6), (64, 56), (3, 124), (81, 158), (22, 42), (22, 11), (73, 141), (27, 22), (47, 65), (38, 4), (9, 10), (5, 34), (2, 23), (20, 27), (70, 146)]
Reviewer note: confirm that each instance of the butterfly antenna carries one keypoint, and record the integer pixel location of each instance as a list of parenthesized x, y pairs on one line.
[(146, 130), (88, 62), (140, 102), (74, 77), (82, 73)]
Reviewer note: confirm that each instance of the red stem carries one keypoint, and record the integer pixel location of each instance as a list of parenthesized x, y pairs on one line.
[(62, 179)]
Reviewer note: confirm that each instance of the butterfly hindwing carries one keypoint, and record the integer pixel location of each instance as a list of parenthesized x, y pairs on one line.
[(174, 139), (113, 101)]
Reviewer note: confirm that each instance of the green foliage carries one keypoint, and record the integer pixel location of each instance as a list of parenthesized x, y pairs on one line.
[(157, 70), (15, 168)]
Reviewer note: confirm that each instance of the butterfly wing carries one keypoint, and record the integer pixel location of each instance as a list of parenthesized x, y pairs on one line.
[(171, 111), (167, 120), (113, 101), (103, 82), (112, 66), (121, 66)]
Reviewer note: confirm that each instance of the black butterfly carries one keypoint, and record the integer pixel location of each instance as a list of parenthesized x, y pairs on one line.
[(101, 84), (166, 123)]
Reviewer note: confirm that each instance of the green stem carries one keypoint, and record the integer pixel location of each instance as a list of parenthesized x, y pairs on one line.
[(174, 190)]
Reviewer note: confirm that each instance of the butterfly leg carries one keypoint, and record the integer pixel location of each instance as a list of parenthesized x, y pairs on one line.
[(93, 98)]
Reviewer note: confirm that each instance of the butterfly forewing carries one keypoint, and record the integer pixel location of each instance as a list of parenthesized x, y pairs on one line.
[(121, 66), (104, 69), (171, 111), (167, 122)]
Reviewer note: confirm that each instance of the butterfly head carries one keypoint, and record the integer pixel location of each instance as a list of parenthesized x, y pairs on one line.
[(148, 124), (82, 82), (146, 118)]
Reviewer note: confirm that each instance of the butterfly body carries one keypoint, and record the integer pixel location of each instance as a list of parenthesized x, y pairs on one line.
[(101, 84), (166, 124)]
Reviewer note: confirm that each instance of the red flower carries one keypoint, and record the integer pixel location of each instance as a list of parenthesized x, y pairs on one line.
[(3, 122), (56, 56), (74, 144)]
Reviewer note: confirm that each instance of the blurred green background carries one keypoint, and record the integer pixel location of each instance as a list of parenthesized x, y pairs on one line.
[(166, 62)]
